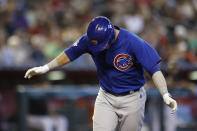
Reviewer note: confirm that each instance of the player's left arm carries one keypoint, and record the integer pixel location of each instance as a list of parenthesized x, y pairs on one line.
[(161, 85), (149, 59)]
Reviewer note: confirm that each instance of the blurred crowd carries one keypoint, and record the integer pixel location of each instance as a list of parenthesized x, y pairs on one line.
[(32, 32)]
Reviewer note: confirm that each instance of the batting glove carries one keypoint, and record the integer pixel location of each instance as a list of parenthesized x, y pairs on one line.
[(170, 102), (36, 71)]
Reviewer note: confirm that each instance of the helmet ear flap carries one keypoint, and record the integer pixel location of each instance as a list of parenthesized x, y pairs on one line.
[(112, 39)]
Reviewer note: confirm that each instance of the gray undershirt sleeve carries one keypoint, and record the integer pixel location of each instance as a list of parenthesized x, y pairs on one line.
[(53, 64), (160, 82)]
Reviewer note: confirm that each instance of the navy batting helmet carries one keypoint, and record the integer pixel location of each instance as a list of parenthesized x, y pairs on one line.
[(100, 33)]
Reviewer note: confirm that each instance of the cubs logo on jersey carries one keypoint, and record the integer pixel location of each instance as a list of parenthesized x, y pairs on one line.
[(123, 62)]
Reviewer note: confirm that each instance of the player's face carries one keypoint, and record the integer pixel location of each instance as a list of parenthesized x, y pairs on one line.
[(93, 42)]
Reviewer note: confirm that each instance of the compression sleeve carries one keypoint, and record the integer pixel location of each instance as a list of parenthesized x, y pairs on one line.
[(160, 82), (60, 60)]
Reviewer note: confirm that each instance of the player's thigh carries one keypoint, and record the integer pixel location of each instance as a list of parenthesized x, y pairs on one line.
[(104, 118), (132, 122), (133, 117)]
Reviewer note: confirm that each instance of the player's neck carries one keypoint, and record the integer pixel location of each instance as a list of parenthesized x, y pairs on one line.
[(116, 33)]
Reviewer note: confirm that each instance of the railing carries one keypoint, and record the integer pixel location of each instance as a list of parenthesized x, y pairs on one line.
[(73, 93)]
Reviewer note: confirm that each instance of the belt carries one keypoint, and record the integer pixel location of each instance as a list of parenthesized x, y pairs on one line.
[(123, 93)]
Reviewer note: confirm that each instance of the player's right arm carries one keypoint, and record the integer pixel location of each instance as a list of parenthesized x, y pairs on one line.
[(59, 61), (70, 54)]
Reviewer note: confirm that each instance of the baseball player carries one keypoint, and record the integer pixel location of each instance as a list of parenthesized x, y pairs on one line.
[(120, 57)]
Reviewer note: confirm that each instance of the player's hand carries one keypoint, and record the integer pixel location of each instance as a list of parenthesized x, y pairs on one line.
[(36, 71), (170, 102)]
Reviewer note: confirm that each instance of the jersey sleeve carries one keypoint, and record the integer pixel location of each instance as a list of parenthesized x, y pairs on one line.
[(77, 49), (146, 55)]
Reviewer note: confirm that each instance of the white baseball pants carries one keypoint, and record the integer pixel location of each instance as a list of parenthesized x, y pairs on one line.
[(123, 112)]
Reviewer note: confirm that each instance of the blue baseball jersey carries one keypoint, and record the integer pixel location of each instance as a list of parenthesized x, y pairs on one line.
[(121, 67)]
